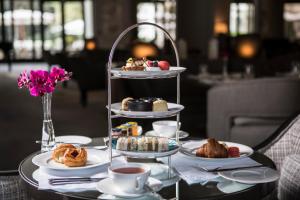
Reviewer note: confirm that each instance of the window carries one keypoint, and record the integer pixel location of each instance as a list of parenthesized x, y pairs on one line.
[(162, 13), (33, 26), (291, 16), (242, 18)]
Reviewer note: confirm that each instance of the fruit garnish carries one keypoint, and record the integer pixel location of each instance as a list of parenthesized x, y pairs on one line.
[(164, 65), (155, 64), (233, 152)]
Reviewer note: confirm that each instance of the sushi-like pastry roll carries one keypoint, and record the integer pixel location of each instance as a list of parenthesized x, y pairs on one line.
[(140, 144), (149, 144), (154, 144), (133, 146), (128, 143), (145, 143), (163, 144), (122, 144)]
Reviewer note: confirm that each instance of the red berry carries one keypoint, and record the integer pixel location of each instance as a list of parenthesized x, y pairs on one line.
[(234, 152), (164, 65), (150, 63)]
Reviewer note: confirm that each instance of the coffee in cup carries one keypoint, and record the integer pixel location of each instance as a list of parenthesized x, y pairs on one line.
[(129, 178)]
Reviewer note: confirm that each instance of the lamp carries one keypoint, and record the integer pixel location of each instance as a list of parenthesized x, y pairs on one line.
[(90, 44), (142, 49), (220, 28)]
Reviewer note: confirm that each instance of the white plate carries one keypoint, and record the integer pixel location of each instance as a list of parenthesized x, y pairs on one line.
[(147, 154), (173, 109), (189, 149), (95, 158), (73, 139), (173, 71), (251, 176), (106, 186), (182, 134)]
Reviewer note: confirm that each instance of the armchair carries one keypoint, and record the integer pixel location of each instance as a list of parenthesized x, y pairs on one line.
[(250, 111)]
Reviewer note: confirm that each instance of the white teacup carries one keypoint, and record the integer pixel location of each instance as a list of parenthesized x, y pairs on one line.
[(166, 128), (129, 178)]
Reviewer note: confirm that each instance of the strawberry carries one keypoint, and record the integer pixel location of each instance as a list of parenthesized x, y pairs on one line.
[(164, 65), (233, 152)]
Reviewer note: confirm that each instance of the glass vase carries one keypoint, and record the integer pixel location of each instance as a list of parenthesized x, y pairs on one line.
[(48, 136)]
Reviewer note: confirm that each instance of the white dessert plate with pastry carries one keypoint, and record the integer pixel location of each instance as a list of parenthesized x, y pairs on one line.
[(173, 109), (73, 139), (190, 149), (173, 71), (182, 134), (95, 158)]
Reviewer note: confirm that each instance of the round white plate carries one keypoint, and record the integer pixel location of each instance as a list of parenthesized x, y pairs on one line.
[(173, 71), (190, 148), (73, 139), (251, 176), (173, 109), (95, 158), (106, 186), (147, 154), (182, 134)]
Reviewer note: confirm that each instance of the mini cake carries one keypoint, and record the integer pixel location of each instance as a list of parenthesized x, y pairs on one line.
[(124, 104), (155, 144), (134, 64), (160, 106), (139, 105)]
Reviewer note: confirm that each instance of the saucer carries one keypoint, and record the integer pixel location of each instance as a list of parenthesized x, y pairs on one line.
[(73, 139), (182, 134), (106, 186)]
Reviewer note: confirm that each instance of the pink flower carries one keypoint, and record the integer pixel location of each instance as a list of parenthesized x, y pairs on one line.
[(23, 80), (40, 82), (58, 74)]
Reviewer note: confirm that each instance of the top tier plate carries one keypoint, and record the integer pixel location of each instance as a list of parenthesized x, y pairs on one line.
[(172, 72)]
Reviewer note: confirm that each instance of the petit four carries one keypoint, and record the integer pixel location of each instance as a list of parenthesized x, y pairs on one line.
[(139, 105), (128, 129), (143, 64), (160, 106), (134, 64), (124, 104), (156, 144)]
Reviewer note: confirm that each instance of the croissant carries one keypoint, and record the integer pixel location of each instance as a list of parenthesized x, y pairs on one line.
[(75, 157), (212, 149), (59, 152)]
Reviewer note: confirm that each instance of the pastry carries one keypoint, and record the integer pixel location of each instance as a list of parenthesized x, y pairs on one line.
[(59, 152), (134, 64), (139, 105), (155, 144), (160, 106), (212, 149), (124, 104), (69, 155), (75, 157)]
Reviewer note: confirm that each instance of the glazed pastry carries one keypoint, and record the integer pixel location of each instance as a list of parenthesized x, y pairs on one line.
[(212, 149), (59, 152), (124, 104), (160, 106), (75, 157)]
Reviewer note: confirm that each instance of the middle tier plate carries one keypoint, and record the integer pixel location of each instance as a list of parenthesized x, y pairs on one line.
[(173, 109)]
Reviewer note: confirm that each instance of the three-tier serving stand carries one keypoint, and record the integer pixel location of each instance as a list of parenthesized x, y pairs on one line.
[(165, 74)]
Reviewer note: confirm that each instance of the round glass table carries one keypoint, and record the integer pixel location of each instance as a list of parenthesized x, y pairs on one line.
[(183, 191)]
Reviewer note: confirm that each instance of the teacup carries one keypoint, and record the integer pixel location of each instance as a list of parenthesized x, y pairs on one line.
[(165, 128), (129, 178)]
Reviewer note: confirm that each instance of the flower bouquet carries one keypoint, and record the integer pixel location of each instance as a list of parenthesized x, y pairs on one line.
[(42, 83)]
